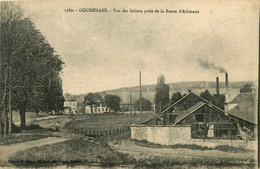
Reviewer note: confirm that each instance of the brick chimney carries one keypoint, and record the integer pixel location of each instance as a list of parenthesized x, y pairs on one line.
[(226, 105), (226, 84)]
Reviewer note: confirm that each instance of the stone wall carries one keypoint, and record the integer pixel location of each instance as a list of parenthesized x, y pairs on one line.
[(170, 135), (165, 135)]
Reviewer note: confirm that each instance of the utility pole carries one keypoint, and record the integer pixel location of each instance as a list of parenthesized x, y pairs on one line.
[(140, 84), (10, 112), (10, 104), (160, 106), (205, 122), (131, 107)]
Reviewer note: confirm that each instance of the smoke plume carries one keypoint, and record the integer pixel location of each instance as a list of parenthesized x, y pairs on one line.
[(210, 65)]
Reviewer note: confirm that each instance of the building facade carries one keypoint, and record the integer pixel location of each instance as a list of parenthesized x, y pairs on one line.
[(96, 109), (70, 107)]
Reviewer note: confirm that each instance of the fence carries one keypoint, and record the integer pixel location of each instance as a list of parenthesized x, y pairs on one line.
[(96, 133)]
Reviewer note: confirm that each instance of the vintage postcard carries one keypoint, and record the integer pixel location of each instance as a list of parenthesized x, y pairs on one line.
[(129, 84)]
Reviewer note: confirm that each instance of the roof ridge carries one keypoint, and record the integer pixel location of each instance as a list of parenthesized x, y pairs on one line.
[(199, 105), (196, 95), (175, 103)]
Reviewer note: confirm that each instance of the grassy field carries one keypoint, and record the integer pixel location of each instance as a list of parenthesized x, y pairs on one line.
[(32, 132), (103, 122), (76, 151), (225, 148), (18, 138)]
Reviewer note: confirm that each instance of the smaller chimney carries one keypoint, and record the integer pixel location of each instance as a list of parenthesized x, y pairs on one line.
[(226, 80), (217, 86)]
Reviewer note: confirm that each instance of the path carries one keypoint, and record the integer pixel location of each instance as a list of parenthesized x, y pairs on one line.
[(7, 151), (140, 152), (38, 119)]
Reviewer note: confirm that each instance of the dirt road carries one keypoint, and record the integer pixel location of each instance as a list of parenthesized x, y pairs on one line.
[(7, 151), (140, 152)]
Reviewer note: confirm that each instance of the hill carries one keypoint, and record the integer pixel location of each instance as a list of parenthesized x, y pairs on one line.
[(148, 91)]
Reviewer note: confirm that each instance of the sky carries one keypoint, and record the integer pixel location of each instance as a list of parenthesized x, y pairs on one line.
[(104, 51)]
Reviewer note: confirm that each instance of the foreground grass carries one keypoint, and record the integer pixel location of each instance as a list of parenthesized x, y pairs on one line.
[(18, 138), (76, 151), (225, 148), (82, 152), (179, 162), (32, 132)]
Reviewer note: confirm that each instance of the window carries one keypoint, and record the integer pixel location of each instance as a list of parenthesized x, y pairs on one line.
[(200, 117)]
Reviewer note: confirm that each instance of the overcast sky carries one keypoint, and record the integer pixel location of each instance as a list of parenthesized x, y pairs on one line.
[(106, 50)]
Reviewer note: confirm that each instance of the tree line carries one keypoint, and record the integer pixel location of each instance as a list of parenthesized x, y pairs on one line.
[(29, 69), (113, 102), (162, 100), (95, 99)]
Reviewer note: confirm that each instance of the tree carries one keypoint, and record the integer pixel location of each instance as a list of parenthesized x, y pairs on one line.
[(146, 105), (246, 88), (113, 102), (161, 95), (219, 100), (206, 95), (93, 99), (175, 97), (125, 108), (29, 67)]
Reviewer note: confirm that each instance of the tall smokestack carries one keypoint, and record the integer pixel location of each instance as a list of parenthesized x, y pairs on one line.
[(226, 105), (226, 80), (217, 86)]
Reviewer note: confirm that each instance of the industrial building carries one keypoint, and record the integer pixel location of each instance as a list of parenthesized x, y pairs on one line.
[(205, 120)]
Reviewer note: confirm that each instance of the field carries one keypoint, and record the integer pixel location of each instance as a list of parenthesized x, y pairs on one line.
[(108, 121)]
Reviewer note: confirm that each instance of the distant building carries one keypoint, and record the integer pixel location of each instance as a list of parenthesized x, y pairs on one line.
[(96, 109), (242, 109), (70, 107)]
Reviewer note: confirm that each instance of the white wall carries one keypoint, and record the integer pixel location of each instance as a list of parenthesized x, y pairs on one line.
[(170, 135), (165, 135)]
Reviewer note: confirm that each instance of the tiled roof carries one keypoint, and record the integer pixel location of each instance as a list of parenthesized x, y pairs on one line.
[(202, 100), (175, 103), (185, 113), (245, 108)]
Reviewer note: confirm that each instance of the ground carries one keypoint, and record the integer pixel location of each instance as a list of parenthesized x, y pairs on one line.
[(142, 151), (44, 147)]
